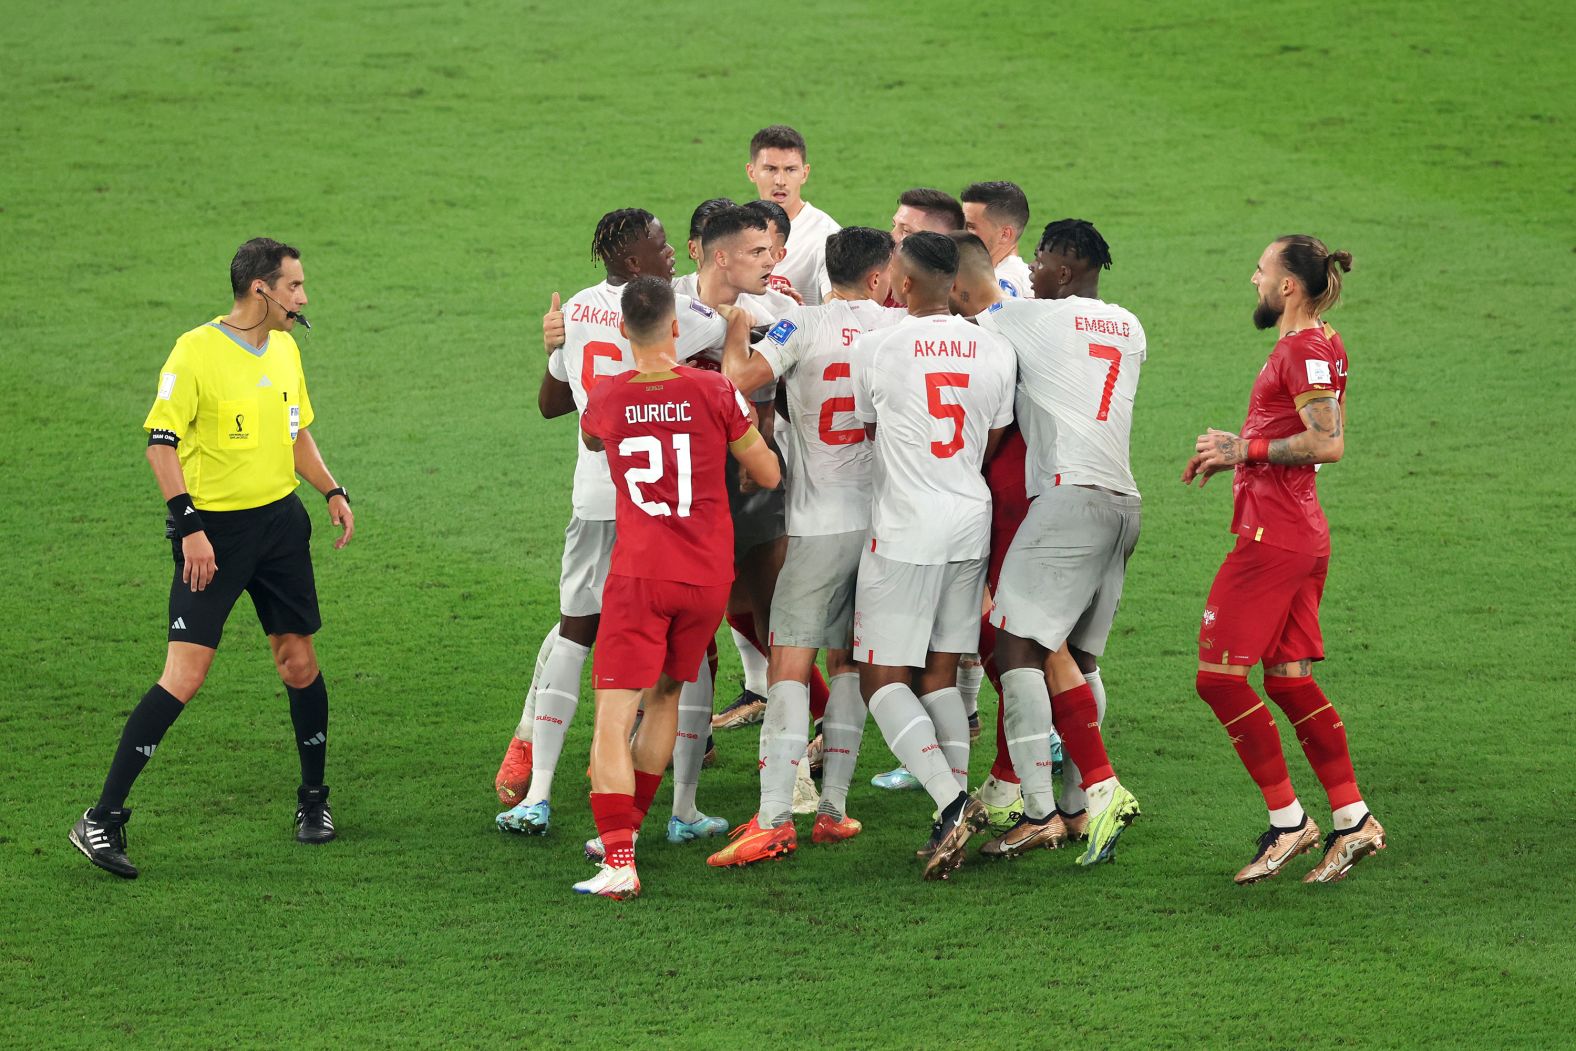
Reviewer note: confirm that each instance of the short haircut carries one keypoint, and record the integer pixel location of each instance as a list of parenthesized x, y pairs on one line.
[(1079, 238), (1317, 269), (777, 137), (853, 252), (617, 230), (932, 253), (703, 213), (773, 212), (647, 305), (261, 257), (1004, 202), (726, 222), (972, 253), (934, 202)]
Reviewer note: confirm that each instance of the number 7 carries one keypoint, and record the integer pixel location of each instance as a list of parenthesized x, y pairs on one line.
[(1114, 356)]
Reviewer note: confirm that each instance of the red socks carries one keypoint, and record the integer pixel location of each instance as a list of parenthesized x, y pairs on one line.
[(1253, 734), (645, 791), (1320, 732), (1077, 719), (616, 821)]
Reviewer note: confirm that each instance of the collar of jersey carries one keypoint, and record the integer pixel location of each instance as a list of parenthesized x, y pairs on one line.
[(256, 352)]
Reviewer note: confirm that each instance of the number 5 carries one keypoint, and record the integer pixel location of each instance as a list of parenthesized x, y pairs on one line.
[(941, 410)]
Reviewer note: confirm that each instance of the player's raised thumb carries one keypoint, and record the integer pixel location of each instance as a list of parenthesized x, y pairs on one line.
[(555, 301)]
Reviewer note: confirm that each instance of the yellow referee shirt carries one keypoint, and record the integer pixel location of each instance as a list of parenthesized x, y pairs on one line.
[(237, 411)]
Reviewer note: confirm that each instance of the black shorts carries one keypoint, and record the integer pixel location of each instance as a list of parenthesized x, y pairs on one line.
[(262, 550)]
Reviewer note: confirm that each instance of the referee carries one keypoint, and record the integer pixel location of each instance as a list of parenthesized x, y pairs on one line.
[(227, 436)]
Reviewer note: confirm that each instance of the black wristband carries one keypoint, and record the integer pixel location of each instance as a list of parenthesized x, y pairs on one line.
[(338, 490), (183, 516)]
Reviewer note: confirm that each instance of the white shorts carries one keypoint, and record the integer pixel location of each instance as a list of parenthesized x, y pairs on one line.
[(588, 547), (1062, 578), (813, 604), (902, 611)]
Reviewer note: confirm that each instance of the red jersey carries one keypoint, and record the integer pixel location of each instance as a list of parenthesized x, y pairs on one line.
[(667, 445), (1274, 503), (1005, 475)]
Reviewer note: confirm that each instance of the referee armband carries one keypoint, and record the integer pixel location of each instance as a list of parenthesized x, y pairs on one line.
[(158, 436)]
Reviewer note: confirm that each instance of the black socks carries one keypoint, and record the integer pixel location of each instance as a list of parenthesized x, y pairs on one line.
[(309, 713), (154, 714)]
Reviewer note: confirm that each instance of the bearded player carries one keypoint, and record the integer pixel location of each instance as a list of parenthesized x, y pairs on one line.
[(1078, 366), (935, 393), (1264, 605), (810, 350), (630, 243), (666, 430)]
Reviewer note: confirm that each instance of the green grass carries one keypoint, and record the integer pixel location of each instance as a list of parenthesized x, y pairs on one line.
[(441, 167)]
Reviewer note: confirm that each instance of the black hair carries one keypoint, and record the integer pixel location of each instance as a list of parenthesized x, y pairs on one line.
[(703, 213), (934, 202), (726, 222), (854, 251), (647, 305), (777, 137), (1004, 202), (970, 247), (1078, 237), (617, 230), (773, 212), (1317, 269), (261, 257), (934, 253)]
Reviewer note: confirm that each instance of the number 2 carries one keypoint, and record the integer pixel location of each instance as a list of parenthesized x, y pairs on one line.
[(941, 410), (597, 348), (830, 434), (1114, 356), (650, 446)]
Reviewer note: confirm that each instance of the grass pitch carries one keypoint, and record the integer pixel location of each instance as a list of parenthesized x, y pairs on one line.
[(441, 167)]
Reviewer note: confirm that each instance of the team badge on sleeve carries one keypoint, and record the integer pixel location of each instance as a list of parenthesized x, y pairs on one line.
[(701, 308), (780, 332), (166, 385), (994, 306), (1318, 371), (1007, 287)]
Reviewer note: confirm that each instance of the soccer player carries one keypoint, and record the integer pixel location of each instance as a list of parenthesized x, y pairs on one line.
[(779, 169), (226, 455), (666, 430), (630, 243), (923, 208), (998, 213), (698, 218), (935, 393), (778, 225), (1078, 364), (809, 349), (1264, 605)]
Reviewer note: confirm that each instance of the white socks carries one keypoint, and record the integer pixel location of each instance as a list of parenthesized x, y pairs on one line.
[(1347, 817), (970, 674), (945, 708), (754, 662), (912, 737), (689, 746), (844, 729), (1100, 794), (1288, 816), (784, 736), (528, 713), (1027, 719), (557, 695)]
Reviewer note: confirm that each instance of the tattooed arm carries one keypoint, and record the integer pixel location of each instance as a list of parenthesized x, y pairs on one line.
[(1323, 442)]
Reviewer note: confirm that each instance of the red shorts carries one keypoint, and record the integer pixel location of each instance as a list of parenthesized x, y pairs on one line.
[(1005, 476), (1264, 607), (654, 626)]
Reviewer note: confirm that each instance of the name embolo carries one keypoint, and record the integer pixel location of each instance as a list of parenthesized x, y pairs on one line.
[(1104, 326), (593, 315), (658, 412), (944, 348)]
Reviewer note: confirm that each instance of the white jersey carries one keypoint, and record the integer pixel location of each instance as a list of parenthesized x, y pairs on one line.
[(763, 308), (803, 269), (810, 349), (594, 349), (1012, 274), (935, 387), (1078, 364)]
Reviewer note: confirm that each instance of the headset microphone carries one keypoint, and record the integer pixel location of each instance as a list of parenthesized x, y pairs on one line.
[(291, 314)]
